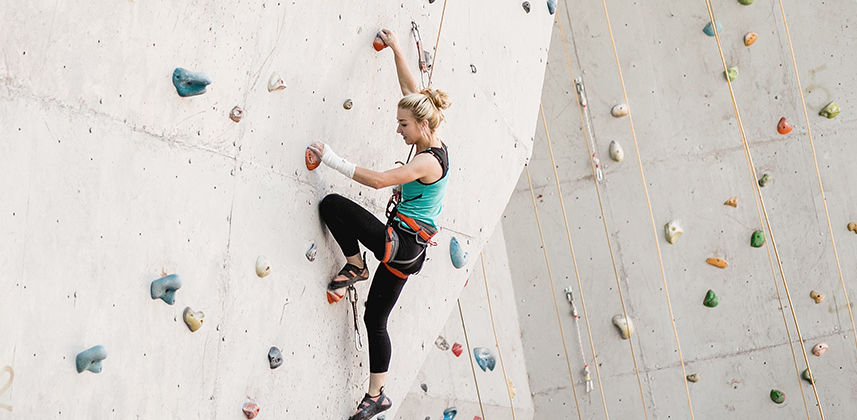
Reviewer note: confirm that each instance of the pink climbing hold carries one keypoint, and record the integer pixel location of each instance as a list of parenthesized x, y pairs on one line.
[(251, 410), (456, 349)]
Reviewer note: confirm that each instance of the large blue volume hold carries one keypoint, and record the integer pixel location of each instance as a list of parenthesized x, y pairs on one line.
[(190, 83)]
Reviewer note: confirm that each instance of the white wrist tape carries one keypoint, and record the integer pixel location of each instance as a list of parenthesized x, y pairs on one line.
[(330, 158)]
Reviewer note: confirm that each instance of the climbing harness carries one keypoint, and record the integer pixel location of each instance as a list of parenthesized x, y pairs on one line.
[(569, 295), (581, 98), (352, 297), (425, 57)]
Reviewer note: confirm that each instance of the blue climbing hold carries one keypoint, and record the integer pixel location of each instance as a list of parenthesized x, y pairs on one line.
[(90, 359), (484, 358), (709, 30), (190, 83), (450, 413), (275, 357), (165, 288), (458, 256), (552, 6)]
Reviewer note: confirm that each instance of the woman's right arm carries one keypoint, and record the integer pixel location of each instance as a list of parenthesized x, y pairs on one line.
[(406, 79)]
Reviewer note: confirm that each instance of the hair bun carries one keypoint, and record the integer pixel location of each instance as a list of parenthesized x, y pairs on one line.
[(438, 97)]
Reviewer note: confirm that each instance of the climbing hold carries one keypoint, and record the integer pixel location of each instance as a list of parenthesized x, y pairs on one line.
[(711, 300), (616, 152), (852, 227), (275, 82), (693, 377), (764, 180), (757, 239), (424, 387), (263, 268), (379, 43), (830, 111), (526, 6), (348, 104), (449, 413), (251, 410), (456, 349), (625, 326), (311, 252), (473, 69), (551, 6), (746, 2), (165, 288), (777, 396), (510, 387), (275, 358), (193, 319), (732, 202), (783, 127), (672, 230), (731, 74), (90, 359), (441, 343), (717, 262), (750, 38), (458, 256), (816, 296), (819, 349), (619, 110), (310, 159), (236, 114), (484, 358), (709, 30), (805, 375), (189, 83)]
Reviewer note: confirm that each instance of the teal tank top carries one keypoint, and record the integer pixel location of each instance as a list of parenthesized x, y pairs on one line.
[(424, 202)]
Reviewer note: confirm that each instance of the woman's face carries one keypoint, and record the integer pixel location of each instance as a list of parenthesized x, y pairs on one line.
[(408, 126)]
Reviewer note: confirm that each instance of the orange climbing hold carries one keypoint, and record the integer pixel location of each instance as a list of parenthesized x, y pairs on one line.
[(783, 127), (750, 38), (717, 262), (333, 297), (732, 202), (379, 43), (311, 160)]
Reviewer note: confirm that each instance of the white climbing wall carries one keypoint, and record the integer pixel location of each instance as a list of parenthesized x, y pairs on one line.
[(110, 178)]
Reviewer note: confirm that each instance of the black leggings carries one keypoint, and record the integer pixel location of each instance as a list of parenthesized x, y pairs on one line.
[(349, 223)]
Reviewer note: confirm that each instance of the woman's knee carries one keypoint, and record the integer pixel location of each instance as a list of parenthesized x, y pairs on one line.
[(329, 203), (374, 320)]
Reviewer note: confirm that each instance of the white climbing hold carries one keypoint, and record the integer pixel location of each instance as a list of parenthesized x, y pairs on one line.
[(619, 110), (311, 252), (275, 82), (616, 152), (673, 230), (263, 268), (625, 326)]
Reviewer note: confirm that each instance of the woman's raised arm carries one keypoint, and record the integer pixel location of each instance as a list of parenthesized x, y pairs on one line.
[(406, 79)]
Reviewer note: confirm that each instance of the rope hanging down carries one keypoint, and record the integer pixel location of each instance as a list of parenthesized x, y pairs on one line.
[(496, 341), (764, 212), (472, 368)]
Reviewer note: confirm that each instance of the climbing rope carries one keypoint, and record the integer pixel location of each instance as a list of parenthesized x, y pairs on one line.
[(651, 213), (553, 288), (436, 43), (764, 212), (576, 273), (818, 175), (496, 341), (472, 368)]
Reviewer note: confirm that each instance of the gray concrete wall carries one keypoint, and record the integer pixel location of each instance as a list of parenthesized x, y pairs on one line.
[(111, 178)]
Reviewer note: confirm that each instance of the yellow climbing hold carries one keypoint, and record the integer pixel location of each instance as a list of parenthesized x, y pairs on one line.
[(717, 262), (732, 202)]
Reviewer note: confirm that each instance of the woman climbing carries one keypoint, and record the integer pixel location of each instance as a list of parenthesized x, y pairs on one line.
[(400, 244)]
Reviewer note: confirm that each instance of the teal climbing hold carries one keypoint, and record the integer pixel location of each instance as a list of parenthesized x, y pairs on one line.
[(709, 30), (484, 358), (746, 2), (711, 300), (764, 180), (830, 111), (731, 74), (805, 375), (777, 396), (190, 83), (458, 256), (165, 288), (552, 6), (758, 239), (450, 413), (90, 359)]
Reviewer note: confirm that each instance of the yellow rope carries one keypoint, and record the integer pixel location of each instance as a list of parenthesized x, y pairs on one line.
[(496, 341), (758, 191), (651, 214), (818, 174), (436, 43), (472, 368), (553, 290)]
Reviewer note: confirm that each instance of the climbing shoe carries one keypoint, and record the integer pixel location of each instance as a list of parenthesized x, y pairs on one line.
[(368, 408), (349, 275)]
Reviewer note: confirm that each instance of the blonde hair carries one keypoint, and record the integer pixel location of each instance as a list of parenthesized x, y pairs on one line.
[(428, 104)]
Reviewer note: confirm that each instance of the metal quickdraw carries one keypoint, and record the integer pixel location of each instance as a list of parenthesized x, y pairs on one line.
[(587, 377), (581, 94), (352, 297), (425, 57)]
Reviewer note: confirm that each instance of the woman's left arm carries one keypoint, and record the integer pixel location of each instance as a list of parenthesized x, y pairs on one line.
[(419, 167)]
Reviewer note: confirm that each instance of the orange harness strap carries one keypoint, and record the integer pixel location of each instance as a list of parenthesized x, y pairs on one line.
[(398, 273)]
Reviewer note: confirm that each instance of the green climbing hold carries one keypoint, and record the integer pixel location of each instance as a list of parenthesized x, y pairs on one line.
[(758, 239), (830, 111), (711, 300), (807, 377), (709, 30), (764, 180), (777, 396), (746, 2), (731, 74)]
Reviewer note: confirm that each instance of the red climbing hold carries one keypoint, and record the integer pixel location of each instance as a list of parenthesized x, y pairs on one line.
[(456, 349), (784, 127), (312, 161), (251, 410), (333, 297), (379, 43)]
